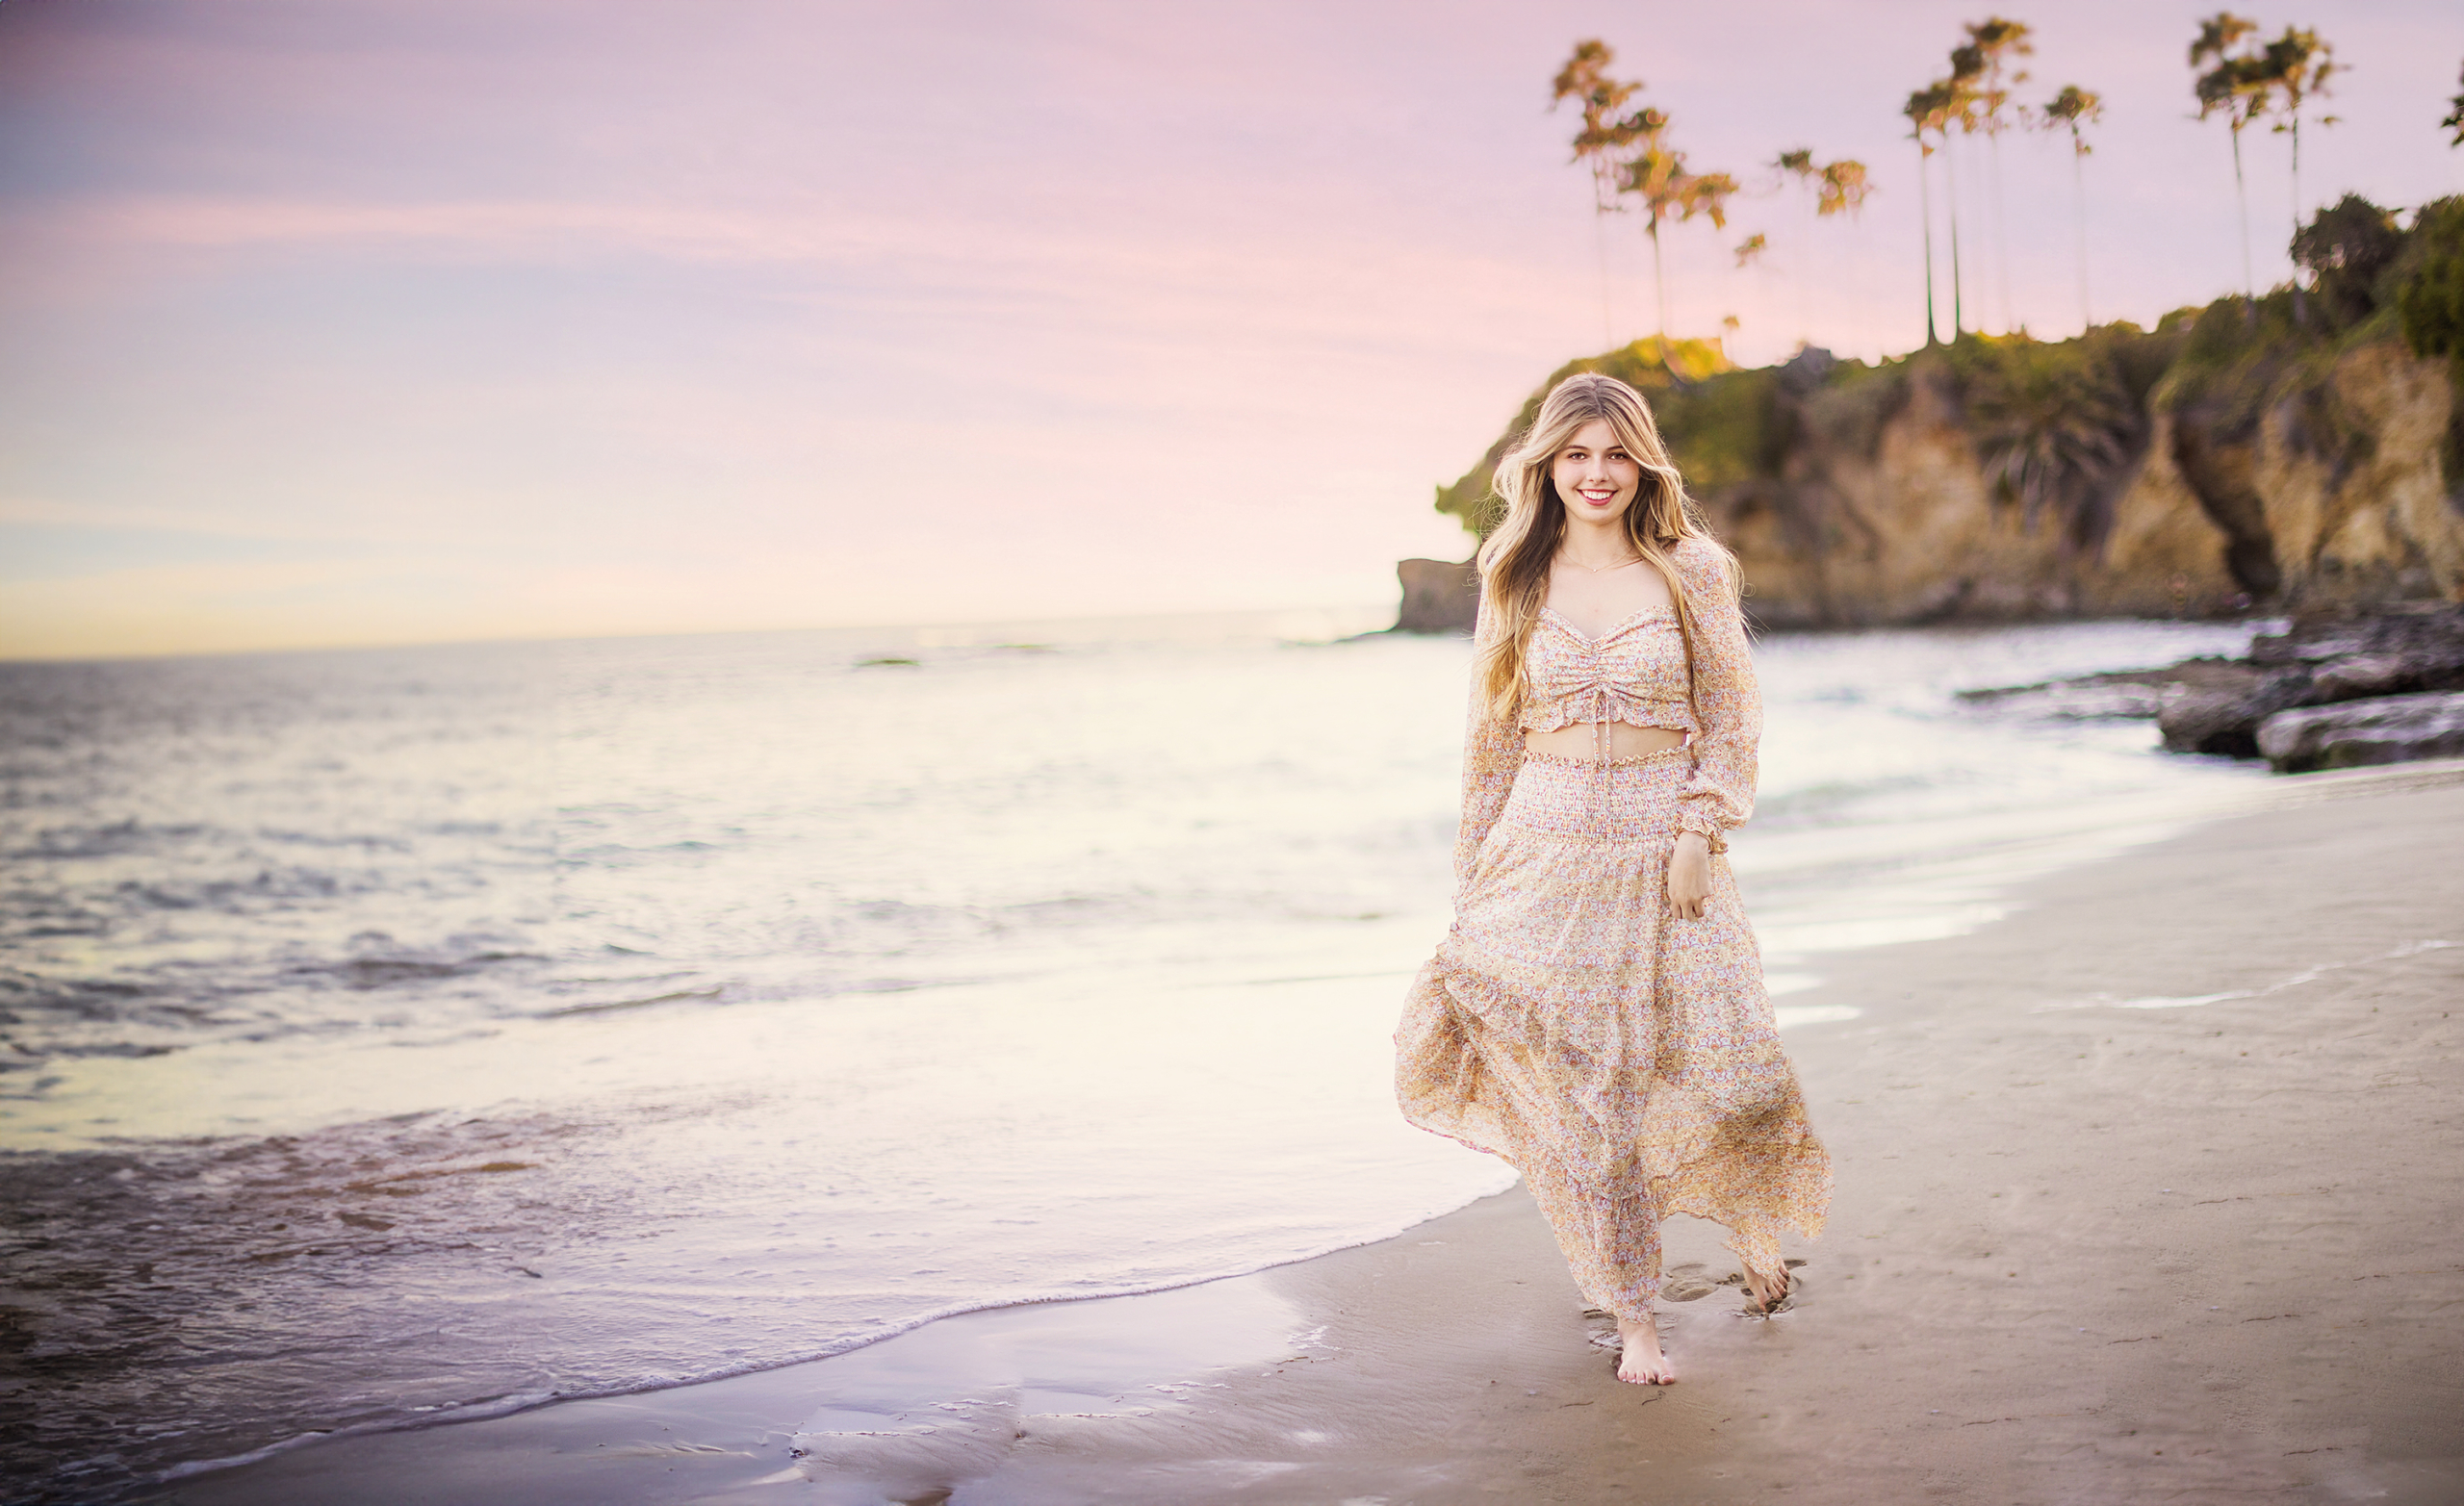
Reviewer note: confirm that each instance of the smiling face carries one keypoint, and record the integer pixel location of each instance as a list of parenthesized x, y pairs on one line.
[(1596, 478)]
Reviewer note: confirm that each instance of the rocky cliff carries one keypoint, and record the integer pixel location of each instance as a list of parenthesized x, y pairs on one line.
[(2297, 454)]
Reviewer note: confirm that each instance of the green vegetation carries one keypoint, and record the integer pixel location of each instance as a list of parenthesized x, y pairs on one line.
[(2237, 71), (1631, 155), (2425, 281), (2053, 423), (1660, 369), (2244, 359), (2057, 424), (2428, 280), (2057, 428), (2250, 80)]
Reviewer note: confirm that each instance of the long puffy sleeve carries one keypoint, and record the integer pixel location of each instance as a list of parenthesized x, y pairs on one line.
[(1492, 753), (1728, 701)]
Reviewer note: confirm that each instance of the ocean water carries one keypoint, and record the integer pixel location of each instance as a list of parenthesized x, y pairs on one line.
[(407, 1034)]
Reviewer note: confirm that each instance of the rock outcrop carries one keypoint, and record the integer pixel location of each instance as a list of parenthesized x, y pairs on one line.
[(2377, 729), (1438, 597), (2111, 476), (2216, 707), (2381, 689), (2333, 494)]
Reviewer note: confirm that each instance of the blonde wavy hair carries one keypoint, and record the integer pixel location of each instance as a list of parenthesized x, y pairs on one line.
[(1514, 562)]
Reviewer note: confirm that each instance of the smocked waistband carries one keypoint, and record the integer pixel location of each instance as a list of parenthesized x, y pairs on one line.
[(1680, 752)]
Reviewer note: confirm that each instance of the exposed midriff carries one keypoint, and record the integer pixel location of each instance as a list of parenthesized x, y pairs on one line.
[(1582, 740)]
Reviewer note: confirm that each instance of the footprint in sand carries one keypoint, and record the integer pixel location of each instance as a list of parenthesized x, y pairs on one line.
[(1693, 1281), (1690, 1284)]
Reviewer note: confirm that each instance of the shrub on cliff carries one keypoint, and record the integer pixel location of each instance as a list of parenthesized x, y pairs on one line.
[(2348, 250), (2430, 297), (1732, 431), (1681, 378), (2056, 425), (2430, 302)]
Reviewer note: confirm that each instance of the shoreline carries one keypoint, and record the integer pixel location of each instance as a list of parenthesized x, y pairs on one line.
[(643, 1144), (2274, 1045)]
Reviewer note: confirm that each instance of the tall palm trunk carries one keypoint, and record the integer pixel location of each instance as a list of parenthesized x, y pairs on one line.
[(1951, 180), (1805, 284), (1607, 311), (2001, 232), (1925, 207), (2241, 199), (1659, 284), (2079, 197), (2301, 305)]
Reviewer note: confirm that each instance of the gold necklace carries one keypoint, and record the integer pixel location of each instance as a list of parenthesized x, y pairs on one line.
[(1599, 570)]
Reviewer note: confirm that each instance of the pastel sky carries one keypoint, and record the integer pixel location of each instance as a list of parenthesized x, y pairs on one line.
[(336, 322)]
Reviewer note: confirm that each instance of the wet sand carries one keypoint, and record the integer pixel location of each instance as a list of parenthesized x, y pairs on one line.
[(2095, 1240)]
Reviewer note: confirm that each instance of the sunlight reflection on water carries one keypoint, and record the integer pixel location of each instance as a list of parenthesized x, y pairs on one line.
[(588, 1017)]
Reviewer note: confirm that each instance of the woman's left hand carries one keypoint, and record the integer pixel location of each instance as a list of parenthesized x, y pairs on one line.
[(1690, 874)]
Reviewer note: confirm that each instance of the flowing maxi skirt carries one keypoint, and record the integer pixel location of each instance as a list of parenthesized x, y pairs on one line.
[(1625, 1061)]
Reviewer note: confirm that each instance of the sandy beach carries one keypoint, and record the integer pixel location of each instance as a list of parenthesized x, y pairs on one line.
[(2148, 1192)]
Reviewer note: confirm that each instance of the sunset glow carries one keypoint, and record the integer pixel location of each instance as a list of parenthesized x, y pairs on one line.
[(386, 323)]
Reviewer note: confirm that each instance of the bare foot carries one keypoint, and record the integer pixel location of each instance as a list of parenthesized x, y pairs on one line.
[(1640, 1361), (1768, 1290)]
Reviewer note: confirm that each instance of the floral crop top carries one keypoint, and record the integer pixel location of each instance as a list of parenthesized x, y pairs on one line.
[(1635, 674)]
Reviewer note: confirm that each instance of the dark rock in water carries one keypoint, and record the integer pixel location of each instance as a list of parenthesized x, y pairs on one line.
[(1438, 597), (2418, 645), (2315, 664), (2361, 675), (2219, 706), (2117, 695), (2096, 698), (2378, 730), (2221, 712)]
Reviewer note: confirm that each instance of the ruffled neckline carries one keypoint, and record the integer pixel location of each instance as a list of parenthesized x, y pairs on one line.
[(1615, 628)]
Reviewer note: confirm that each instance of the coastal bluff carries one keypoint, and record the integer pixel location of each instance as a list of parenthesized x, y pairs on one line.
[(2298, 453), (2116, 474)]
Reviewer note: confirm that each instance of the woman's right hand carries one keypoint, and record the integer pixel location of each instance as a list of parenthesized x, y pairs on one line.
[(1690, 874)]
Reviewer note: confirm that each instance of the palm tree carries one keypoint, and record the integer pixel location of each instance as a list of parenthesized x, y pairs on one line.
[(1928, 110), (1834, 187), (1968, 62), (2455, 121), (1837, 186), (2071, 109), (1798, 163), (2295, 67), (1657, 175), (1845, 187), (2236, 85), (1749, 253), (1585, 79), (1994, 40)]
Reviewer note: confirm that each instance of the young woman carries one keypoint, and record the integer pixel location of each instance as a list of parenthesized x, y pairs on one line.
[(1596, 1015)]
